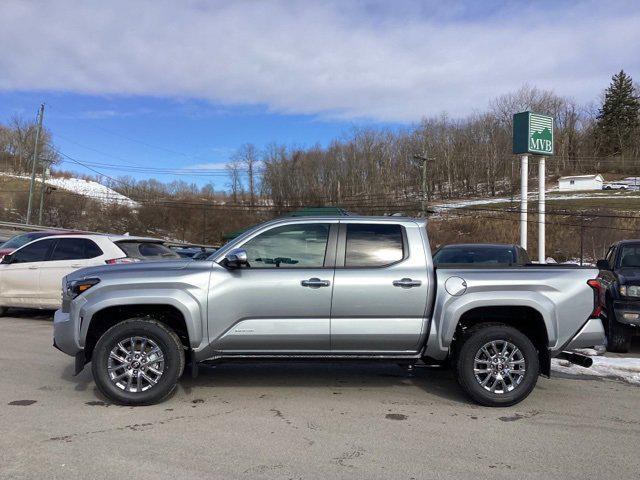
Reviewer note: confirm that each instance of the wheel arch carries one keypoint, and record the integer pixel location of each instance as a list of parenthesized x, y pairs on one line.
[(524, 318), (167, 311)]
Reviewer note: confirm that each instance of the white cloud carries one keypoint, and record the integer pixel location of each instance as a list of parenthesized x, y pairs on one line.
[(365, 60)]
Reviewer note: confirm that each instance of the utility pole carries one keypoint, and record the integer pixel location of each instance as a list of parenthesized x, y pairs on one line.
[(204, 223), (581, 240), (42, 189), (423, 159), (35, 163)]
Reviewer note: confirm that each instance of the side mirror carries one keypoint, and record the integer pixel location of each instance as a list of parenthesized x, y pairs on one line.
[(603, 265), (6, 259), (236, 259)]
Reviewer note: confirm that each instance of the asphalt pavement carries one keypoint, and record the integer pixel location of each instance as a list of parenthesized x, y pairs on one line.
[(302, 421)]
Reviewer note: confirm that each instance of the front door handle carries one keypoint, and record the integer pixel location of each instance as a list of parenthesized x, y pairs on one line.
[(33, 267), (406, 283), (315, 283), (76, 265)]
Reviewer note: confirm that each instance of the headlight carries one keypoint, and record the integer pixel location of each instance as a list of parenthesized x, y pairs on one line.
[(77, 287), (630, 290)]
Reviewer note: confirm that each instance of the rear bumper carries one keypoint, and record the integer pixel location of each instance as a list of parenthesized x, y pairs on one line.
[(590, 335), (627, 312), (64, 338)]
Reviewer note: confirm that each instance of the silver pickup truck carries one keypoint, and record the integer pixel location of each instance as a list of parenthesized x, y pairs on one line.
[(327, 288)]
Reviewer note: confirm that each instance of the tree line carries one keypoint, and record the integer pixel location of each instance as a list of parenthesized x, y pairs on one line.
[(468, 156)]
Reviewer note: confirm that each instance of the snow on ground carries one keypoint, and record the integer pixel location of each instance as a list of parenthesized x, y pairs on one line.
[(87, 188), (626, 369)]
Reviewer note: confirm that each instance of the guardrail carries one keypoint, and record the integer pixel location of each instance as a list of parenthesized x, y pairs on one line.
[(21, 227)]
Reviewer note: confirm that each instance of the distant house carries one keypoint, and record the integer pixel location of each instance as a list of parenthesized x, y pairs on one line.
[(581, 182)]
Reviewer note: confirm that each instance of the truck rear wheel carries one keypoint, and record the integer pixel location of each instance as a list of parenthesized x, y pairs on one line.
[(496, 365), (137, 362)]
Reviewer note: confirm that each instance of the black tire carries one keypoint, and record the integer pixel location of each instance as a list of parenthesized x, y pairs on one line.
[(472, 342), (618, 335), (164, 338), (3, 311)]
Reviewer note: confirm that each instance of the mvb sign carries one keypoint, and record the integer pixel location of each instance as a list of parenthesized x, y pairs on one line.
[(532, 133)]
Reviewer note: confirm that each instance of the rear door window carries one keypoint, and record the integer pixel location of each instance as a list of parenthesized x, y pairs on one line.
[(75, 249), (373, 245), (147, 250)]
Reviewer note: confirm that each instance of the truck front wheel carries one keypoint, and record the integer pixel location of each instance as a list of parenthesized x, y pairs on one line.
[(618, 336), (137, 362), (496, 365)]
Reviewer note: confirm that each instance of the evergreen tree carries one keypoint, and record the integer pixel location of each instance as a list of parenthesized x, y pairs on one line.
[(619, 116)]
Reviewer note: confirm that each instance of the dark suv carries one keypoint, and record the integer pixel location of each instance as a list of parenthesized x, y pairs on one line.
[(620, 275)]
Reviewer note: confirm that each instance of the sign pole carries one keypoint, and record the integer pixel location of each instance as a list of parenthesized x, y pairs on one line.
[(524, 169), (541, 211), (533, 135)]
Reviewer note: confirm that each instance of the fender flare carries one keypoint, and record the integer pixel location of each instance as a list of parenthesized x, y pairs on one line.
[(186, 304)]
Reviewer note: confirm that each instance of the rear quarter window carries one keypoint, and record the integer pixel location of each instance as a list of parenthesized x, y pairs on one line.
[(147, 250)]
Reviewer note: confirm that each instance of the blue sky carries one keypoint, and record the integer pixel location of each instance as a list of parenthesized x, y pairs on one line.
[(114, 133), (168, 84)]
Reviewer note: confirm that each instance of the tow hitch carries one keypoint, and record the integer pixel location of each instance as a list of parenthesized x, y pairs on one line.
[(576, 358)]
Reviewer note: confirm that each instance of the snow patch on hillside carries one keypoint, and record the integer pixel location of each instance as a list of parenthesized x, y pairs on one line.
[(480, 202), (86, 188)]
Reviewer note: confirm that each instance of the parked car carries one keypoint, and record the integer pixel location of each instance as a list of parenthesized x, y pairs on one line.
[(481, 254), (18, 241), (330, 288), (195, 253), (30, 277), (620, 276), (614, 186)]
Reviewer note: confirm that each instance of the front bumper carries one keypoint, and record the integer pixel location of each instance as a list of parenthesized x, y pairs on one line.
[(64, 335), (590, 335), (627, 312)]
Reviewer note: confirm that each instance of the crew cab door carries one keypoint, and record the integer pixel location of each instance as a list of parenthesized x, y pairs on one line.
[(380, 289), (281, 301), (20, 279)]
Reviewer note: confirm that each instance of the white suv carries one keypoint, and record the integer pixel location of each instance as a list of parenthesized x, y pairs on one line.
[(30, 277)]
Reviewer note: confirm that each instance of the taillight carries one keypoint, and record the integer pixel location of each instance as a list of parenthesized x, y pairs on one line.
[(598, 297), (113, 261)]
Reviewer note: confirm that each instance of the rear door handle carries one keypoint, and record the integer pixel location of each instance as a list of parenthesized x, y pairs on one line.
[(315, 283), (77, 265), (406, 283), (33, 267)]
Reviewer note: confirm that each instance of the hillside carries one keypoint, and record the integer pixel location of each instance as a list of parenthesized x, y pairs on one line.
[(86, 188)]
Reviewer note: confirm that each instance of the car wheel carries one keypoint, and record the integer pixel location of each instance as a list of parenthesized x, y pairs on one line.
[(497, 365), (618, 336), (137, 362)]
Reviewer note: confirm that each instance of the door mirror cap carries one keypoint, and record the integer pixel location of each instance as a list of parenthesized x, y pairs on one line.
[(236, 258), (6, 259), (603, 265)]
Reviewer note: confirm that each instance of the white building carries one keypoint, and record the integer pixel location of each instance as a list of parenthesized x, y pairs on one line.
[(580, 182)]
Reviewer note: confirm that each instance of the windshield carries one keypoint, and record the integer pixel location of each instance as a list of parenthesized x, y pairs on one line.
[(20, 240), (476, 254), (630, 256)]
